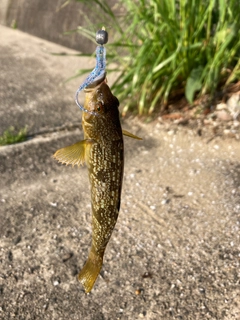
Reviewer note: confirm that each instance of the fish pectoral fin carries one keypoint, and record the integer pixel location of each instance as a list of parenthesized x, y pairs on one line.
[(76, 154), (129, 134)]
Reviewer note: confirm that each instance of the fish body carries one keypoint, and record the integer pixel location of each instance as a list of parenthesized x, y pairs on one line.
[(105, 168), (103, 151)]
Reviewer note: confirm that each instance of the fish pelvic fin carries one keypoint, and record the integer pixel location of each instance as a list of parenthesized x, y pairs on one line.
[(130, 135), (90, 271), (76, 154)]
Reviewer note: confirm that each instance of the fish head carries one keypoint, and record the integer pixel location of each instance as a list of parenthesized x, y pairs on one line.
[(100, 101), (103, 116)]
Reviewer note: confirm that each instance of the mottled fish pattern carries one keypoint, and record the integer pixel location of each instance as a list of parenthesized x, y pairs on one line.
[(103, 151)]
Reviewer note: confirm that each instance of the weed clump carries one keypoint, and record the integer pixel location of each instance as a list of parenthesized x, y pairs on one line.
[(170, 47)]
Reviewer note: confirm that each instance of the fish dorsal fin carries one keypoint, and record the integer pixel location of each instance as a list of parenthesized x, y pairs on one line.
[(76, 154), (129, 134)]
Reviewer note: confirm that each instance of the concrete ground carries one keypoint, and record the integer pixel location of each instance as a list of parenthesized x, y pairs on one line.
[(175, 251)]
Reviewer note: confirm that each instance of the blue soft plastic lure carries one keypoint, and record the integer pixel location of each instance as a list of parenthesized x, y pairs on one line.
[(100, 69)]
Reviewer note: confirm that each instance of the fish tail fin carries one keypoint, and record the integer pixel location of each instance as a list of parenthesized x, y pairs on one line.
[(90, 271)]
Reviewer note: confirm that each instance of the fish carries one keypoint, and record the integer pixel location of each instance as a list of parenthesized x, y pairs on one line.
[(103, 152)]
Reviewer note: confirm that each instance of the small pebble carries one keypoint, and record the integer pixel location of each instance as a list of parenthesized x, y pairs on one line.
[(221, 106), (223, 115), (138, 292), (53, 204)]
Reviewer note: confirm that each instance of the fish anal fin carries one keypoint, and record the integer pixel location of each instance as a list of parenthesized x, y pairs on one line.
[(130, 135), (76, 154)]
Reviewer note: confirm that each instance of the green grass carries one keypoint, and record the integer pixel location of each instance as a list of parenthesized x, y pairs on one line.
[(11, 136), (166, 47)]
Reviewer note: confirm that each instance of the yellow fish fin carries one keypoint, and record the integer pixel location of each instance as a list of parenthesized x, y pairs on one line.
[(129, 134), (90, 271), (76, 154)]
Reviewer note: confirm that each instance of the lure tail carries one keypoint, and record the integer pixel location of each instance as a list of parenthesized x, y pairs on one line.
[(90, 271), (99, 72)]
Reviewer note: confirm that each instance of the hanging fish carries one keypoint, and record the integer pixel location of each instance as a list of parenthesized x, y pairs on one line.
[(102, 150)]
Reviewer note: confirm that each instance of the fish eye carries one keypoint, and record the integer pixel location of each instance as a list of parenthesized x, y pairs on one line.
[(99, 107)]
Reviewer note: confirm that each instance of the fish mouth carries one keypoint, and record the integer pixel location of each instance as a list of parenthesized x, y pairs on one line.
[(96, 83)]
